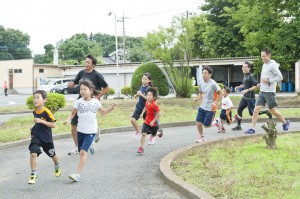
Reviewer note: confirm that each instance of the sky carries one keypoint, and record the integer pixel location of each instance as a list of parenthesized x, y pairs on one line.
[(48, 21)]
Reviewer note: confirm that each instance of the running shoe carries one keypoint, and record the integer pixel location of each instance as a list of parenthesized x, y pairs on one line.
[(140, 150), (73, 152), (223, 130), (75, 177), (32, 179), (97, 137), (136, 135), (250, 131), (92, 149), (286, 125), (57, 171), (152, 140), (237, 128), (160, 133), (201, 139)]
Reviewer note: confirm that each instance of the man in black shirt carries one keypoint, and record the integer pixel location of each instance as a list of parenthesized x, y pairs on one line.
[(100, 87)]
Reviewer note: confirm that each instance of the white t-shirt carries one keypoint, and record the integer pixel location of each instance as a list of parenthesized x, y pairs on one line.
[(226, 103), (87, 115)]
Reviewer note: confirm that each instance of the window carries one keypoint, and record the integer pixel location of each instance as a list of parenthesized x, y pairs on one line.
[(41, 70), (17, 70)]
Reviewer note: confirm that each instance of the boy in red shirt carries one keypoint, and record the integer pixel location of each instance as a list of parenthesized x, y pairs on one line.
[(150, 125)]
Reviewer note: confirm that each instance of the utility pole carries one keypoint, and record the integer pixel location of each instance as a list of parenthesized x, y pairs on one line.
[(122, 19)]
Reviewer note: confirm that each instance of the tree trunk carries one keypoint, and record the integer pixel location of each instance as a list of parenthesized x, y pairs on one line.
[(271, 135)]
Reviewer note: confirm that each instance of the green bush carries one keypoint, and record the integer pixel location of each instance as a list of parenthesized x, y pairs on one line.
[(221, 85), (196, 90), (110, 91), (127, 91), (159, 80), (55, 101)]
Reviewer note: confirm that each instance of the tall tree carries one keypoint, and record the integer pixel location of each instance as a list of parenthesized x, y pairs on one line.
[(14, 44)]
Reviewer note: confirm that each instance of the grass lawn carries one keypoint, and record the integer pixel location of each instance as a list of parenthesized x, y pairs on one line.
[(172, 110), (244, 168)]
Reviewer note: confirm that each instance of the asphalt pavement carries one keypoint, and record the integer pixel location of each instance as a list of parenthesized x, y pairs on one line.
[(114, 171)]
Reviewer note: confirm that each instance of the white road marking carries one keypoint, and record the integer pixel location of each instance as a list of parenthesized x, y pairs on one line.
[(12, 102)]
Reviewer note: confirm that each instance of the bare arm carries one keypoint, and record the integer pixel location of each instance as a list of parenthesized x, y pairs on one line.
[(103, 91), (154, 120), (199, 97), (103, 111), (73, 113), (139, 93), (144, 110), (49, 124), (220, 94)]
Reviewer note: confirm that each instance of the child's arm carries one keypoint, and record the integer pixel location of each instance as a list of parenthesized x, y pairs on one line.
[(144, 110), (199, 97), (49, 124), (73, 113), (103, 111), (154, 120)]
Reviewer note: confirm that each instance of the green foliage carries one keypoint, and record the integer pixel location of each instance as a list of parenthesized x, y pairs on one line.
[(110, 91), (159, 80), (221, 85), (196, 89), (126, 90), (46, 58), (55, 101), (14, 44)]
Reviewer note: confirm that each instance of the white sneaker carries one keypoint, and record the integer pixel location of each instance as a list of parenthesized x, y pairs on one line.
[(75, 177), (74, 152), (92, 148), (152, 140)]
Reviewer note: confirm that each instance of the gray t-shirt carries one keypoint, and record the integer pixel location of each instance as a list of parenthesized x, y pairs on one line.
[(209, 90), (271, 71)]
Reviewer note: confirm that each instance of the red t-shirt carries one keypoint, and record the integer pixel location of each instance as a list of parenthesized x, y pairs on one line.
[(152, 110)]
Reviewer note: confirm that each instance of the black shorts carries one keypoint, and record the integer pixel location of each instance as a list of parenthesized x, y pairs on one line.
[(137, 113), (74, 120), (36, 144), (225, 117), (149, 129)]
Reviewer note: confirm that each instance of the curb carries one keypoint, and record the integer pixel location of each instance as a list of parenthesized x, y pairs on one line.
[(189, 190)]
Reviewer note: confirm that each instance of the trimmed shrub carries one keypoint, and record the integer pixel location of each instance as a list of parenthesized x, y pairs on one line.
[(55, 101), (110, 91), (126, 90), (159, 79)]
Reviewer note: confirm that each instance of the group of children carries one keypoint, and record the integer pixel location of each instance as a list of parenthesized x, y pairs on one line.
[(147, 108)]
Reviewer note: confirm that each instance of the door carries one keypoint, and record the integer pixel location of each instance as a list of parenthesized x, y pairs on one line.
[(11, 79)]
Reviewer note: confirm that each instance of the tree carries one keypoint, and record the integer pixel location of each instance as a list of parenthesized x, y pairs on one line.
[(46, 58), (14, 44)]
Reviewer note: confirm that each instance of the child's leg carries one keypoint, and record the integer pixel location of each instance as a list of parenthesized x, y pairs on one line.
[(82, 161), (55, 159), (33, 157), (143, 139), (199, 128), (135, 125)]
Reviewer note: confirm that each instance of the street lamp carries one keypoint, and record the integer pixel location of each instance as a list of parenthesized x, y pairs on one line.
[(117, 56)]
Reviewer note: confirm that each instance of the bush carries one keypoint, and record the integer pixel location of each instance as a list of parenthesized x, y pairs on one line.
[(159, 80), (110, 91), (221, 85), (127, 91), (55, 101), (196, 90)]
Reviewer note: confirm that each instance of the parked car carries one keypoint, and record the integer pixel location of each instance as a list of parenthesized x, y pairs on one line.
[(51, 83), (63, 89)]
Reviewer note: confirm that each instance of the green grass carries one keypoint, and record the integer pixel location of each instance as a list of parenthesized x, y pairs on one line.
[(172, 110), (244, 168)]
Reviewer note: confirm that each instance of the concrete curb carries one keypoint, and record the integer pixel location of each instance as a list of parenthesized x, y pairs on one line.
[(189, 190)]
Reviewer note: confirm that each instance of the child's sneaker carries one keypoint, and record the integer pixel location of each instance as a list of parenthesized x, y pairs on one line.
[(237, 128), (92, 149), (74, 152), (223, 130), (152, 140), (160, 133), (136, 135), (250, 131), (140, 150), (201, 139), (75, 177), (32, 179), (286, 125), (57, 171), (97, 137)]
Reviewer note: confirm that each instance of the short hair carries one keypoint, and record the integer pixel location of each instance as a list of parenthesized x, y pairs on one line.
[(249, 64), (87, 83), (267, 51), (227, 89), (209, 69), (154, 91), (94, 60), (42, 92)]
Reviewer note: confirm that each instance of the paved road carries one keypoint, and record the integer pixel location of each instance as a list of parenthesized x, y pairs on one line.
[(115, 171)]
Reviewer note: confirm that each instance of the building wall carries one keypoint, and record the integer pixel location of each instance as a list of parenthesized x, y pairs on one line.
[(22, 74)]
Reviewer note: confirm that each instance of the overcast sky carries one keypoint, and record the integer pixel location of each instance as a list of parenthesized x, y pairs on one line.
[(48, 21)]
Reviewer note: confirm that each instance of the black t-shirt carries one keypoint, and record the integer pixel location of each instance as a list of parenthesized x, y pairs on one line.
[(41, 131), (95, 77), (248, 82)]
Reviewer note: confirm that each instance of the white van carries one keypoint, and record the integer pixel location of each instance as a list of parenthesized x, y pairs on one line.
[(53, 83)]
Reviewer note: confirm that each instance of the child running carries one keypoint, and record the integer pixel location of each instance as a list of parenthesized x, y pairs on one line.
[(86, 108), (225, 115), (150, 125), (210, 91), (146, 83), (41, 135)]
